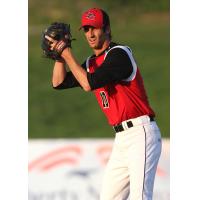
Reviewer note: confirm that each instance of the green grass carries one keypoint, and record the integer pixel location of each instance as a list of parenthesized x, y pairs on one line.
[(74, 113)]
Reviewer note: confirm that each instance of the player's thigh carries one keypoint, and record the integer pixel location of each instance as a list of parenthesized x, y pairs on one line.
[(115, 184), (153, 151), (144, 155)]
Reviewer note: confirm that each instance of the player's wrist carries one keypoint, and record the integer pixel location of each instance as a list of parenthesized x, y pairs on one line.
[(60, 60), (66, 53)]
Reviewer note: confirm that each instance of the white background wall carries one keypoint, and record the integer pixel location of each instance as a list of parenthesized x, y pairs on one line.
[(72, 169)]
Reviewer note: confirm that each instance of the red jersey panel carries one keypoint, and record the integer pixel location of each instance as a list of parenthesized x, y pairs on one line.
[(123, 100)]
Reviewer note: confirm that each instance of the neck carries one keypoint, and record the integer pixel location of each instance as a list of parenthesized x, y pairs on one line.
[(104, 47)]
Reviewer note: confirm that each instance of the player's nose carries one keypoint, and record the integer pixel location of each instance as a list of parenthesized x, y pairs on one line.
[(91, 32)]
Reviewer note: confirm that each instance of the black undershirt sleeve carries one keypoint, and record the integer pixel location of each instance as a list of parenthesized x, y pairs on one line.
[(116, 67), (69, 81)]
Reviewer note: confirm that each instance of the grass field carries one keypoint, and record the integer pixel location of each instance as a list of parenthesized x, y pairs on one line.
[(74, 113)]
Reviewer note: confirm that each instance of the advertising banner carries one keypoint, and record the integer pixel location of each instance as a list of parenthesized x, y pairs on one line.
[(72, 169)]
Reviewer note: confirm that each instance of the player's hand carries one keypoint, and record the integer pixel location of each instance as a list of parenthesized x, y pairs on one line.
[(57, 46), (55, 39)]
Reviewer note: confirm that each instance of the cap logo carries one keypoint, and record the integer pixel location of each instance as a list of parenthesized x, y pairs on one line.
[(90, 16)]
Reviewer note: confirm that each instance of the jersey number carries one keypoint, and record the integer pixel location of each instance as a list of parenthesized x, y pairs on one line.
[(104, 99)]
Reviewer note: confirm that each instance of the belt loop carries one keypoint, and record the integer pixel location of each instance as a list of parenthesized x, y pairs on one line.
[(124, 124)]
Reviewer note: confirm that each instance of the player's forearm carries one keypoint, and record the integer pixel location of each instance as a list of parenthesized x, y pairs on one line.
[(79, 73), (59, 73)]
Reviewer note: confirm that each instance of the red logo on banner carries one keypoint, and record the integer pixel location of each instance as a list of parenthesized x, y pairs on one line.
[(68, 155)]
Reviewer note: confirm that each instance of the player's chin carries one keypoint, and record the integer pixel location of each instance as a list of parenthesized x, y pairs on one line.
[(93, 45), (96, 46)]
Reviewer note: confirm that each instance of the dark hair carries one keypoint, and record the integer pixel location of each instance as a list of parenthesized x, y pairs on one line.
[(106, 23)]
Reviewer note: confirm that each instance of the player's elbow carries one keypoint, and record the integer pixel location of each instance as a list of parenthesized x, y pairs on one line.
[(56, 85), (87, 88)]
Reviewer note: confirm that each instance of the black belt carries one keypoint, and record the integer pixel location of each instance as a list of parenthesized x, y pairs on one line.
[(119, 127)]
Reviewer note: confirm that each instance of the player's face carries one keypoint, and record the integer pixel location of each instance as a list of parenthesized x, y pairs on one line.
[(95, 37)]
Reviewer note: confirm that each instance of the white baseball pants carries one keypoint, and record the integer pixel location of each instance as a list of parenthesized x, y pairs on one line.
[(131, 169)]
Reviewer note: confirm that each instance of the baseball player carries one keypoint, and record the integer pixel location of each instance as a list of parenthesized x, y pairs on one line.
[(112, 74)]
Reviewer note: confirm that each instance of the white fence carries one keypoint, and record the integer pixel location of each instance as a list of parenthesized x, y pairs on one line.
[(72, 169)]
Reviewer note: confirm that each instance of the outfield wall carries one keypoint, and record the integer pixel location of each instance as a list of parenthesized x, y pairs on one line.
[(72, 169)]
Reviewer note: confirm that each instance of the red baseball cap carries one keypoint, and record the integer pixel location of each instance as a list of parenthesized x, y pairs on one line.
[(92, 17)]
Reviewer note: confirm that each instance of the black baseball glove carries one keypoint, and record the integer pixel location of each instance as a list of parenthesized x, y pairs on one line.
[(60, 35)]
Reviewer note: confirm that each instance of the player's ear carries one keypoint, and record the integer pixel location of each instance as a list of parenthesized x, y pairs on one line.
[(107, 31)]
